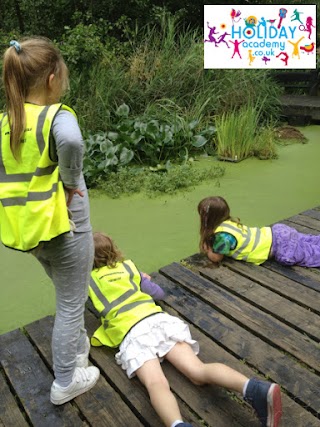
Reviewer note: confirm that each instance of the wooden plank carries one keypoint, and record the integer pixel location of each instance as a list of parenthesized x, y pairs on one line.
[(293, 413), (10, 414), (313, 213), (31, 382), (306, 221), (299, 318), (309, 102), (102, 405), (296, 379), (252, 318), (308, 298), (301, 228), (309, 81), (298, 274)]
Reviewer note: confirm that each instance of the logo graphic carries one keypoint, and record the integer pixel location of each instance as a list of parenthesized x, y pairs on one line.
[(260, 36)]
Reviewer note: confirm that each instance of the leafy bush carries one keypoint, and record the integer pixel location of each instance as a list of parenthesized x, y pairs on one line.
[(144, 140), (102, 155), (81, 45), (154, 141)]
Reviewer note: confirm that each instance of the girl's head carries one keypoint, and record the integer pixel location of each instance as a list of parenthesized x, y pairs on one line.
[(213, 211), (106, 252), (32, 69)]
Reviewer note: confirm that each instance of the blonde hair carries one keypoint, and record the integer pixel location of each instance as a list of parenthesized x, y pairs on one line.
[(25, 70), (106, 252), (212, 211)]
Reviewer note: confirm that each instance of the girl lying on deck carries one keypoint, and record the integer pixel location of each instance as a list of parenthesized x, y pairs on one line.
[(145, 335), (221, 234)]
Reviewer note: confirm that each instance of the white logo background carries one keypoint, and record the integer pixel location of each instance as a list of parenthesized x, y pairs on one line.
[(260, 36)]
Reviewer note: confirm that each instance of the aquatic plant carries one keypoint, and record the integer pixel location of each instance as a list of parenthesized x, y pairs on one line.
[(236, 132)]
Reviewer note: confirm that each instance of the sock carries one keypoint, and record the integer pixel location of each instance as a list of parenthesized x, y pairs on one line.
[(176, 422), (245, 388)]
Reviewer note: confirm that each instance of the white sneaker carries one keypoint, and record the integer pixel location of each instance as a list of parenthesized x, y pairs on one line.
[(83, 380), (82, 359)]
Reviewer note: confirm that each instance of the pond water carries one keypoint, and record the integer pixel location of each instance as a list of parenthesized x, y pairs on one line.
[(156, 232)]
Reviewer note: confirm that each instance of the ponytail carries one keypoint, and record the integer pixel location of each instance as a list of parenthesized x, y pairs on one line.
[(27, 67), (15, 91)]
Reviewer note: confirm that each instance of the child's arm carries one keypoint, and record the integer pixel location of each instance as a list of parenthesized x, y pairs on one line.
[(151, 288), (214, 257), (69, 152), (222, 244)]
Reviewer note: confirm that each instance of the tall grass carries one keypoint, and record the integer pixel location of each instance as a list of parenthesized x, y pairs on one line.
[(165, 62), (236, 131)]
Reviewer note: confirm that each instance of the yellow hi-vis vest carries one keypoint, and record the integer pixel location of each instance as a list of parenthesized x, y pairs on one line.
[(116, 295), (253, 244), (32, 199)]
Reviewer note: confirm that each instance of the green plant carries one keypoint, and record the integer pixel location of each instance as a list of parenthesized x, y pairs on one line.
[(236, 132), (103, 155), (81, 45), (148, 140), (265, 146), (129, 180)]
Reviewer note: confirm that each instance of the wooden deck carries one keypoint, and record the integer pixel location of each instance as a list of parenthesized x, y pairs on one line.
[(295, 107), (263, 321)]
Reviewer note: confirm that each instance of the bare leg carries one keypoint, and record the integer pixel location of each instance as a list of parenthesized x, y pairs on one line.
[(263, 396), (161, 397), (184, 359)]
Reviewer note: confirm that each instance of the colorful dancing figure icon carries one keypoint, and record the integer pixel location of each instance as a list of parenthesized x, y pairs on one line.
[(211, 35), (265, 59), (296, 16), (308, 27), (236, 49), (262, 22), (251, 57), (221, 39), (295, 51), (285, 57)]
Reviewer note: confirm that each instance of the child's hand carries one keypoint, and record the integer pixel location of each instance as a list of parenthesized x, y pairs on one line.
[(146, 275), (71, 192), (214, 257)]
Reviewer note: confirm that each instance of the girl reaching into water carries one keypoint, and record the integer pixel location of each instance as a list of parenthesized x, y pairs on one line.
[(222, 235), (145, 335)]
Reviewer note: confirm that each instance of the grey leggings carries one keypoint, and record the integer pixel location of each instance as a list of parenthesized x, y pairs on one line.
[(68, 261)]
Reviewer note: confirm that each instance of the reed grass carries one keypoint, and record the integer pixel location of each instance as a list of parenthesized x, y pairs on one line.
[(236, 132)]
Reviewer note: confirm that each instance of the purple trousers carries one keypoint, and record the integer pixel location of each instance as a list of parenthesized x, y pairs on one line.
[(289, 247)]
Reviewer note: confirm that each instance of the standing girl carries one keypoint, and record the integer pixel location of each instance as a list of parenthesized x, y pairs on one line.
[(44, 205), (220, 235), (145, 335)]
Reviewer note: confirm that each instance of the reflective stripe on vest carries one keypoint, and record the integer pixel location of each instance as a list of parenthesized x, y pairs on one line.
[(32, 200), (119, 313), (253, 243)]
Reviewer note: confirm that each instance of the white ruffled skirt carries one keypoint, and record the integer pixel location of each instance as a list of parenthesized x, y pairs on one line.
[(152, 338)]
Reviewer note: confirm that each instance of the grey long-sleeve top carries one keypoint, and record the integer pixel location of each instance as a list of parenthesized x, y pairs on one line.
[(69, 149)]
